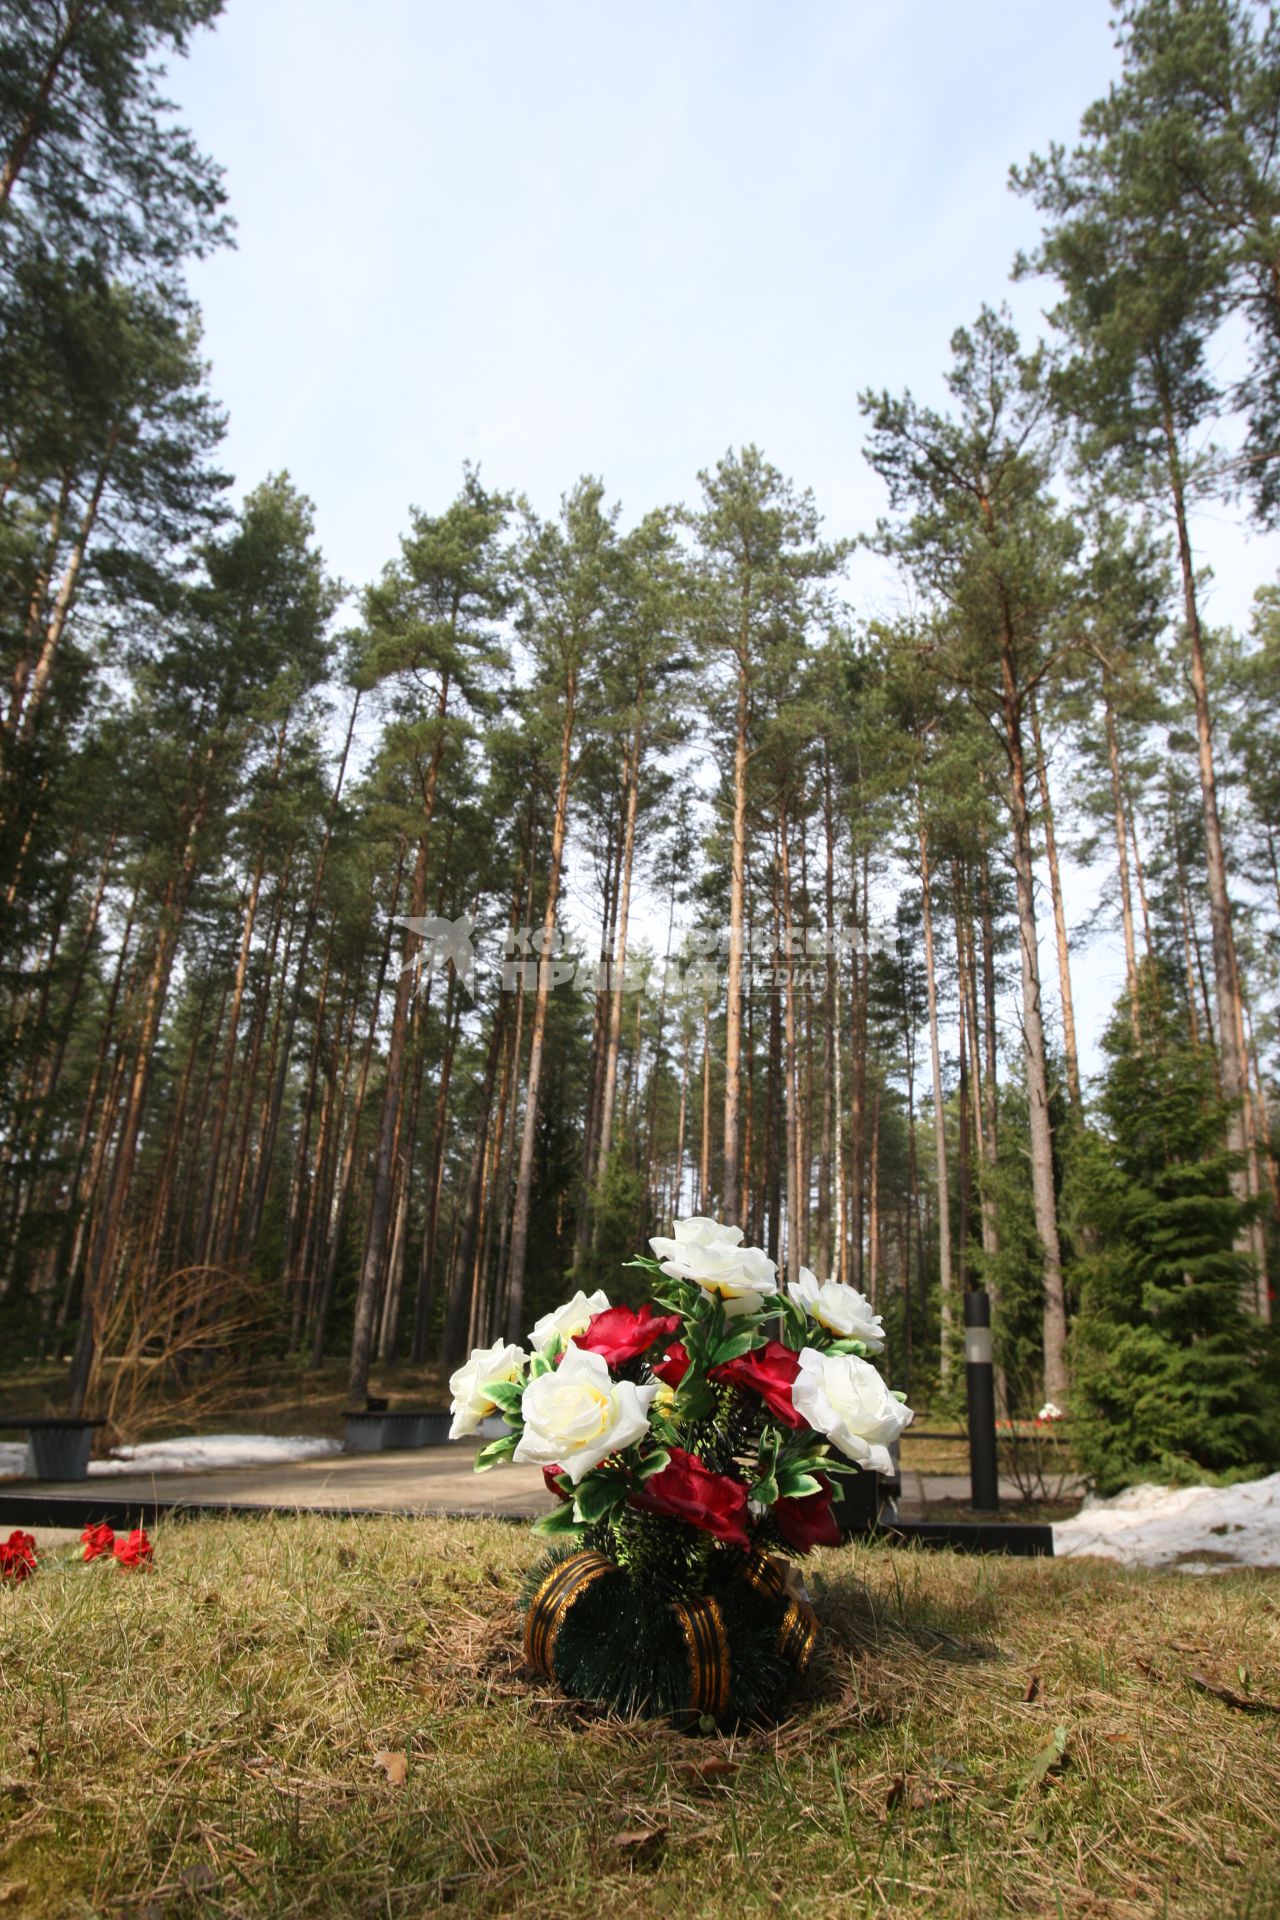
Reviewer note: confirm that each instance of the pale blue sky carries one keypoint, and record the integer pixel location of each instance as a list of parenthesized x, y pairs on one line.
[(555, 237), (558, 237)]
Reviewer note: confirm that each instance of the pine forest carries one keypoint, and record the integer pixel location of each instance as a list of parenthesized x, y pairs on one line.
[(381, 960)]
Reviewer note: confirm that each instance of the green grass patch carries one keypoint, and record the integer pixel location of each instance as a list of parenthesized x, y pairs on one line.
[(977, 1737)]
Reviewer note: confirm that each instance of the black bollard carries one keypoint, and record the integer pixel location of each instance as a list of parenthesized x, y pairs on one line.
[(980, 1380)]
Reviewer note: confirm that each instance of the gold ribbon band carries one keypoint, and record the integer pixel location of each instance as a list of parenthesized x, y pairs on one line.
[(563, 1587), (766, 1575), (798, 1629), (798, 1634), (703, 1627)]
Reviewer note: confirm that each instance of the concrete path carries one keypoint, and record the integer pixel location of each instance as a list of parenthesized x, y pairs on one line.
[(424, 1480)]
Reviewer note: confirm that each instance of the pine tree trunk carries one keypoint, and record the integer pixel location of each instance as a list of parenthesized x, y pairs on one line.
[(426, 1287), (82, 1182), (1122, 857), (28, 701), (100, 1269), (830, 1191), (859, 987), (266, 1152), (1235, 1088), (873, 1223), (677, 1178), (600, 1013), (338, 1211), (204, 1230), (790, 1064), (605, 1128), (1044, 1201), (537, 1037), (945, 1276), (389, 1330), (990, 1041), (704, 1160), (463, 1272), (737, 898), (29, 130), (369, 1289), (1059, 917)]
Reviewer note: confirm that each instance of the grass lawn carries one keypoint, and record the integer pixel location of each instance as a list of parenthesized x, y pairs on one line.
[(201, 1739)]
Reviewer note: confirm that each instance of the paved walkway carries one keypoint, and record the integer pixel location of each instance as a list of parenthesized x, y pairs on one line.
[(424, 1480)]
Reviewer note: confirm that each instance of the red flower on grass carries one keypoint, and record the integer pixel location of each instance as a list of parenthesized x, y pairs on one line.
[(620, 1334), (673, 1365), (135, 1551), (98, 1540), (808, 1521), (770, 1371), (18, 1556), (686, 1490)]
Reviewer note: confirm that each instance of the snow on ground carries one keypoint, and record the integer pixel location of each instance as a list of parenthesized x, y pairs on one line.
[(214, 1450), (193, 1454), (1191, 1529)]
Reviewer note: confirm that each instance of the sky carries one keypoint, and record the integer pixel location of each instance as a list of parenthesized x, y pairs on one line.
[(557, 237)]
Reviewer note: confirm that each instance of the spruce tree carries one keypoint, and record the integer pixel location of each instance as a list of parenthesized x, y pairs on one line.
[(1169, 1370)]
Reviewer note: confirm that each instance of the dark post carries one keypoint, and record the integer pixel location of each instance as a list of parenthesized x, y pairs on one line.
[(980, 1380)]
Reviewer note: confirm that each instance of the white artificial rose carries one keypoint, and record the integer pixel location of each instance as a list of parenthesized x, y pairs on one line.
[(842, 1310), (843, 1397), (578, 1414), (573, 1317), (488, 1366), (709, 1254)]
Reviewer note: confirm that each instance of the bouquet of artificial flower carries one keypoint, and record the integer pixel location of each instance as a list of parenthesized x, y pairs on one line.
[(691, 1443)]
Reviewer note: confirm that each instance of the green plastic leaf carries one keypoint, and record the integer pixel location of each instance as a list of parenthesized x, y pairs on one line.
[(653, 1463), (837, 1463), (495, 1451), (598, 1496), (738, 1338), (506, 1395), (794, 1484), (695, 1399), (559, 1521), (764, 1490), (795, 1324)]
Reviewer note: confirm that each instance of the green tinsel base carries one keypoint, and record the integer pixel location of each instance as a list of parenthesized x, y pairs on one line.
[(619, 1643)]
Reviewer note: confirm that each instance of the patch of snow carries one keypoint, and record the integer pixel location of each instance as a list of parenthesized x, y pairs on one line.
[(1190, 1529), (194, 1454), (204, 1451)]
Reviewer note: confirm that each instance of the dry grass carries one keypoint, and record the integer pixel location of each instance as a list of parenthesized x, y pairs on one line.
[(202, 1740)]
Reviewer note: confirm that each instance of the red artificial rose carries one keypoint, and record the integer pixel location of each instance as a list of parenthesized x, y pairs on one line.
[(770, 1371), (808, 1521), (18, 1556), (673, 1365), (620, 1334), (97, 1539), (553, 1476), (135, 1551), (686, 1490)]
